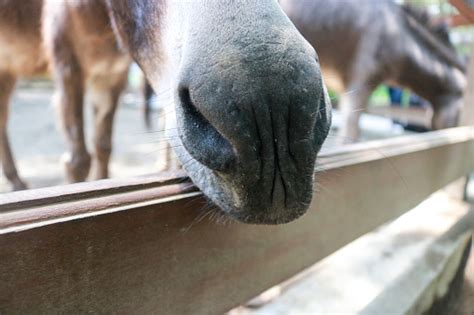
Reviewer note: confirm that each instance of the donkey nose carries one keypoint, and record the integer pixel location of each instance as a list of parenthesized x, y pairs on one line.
[(253, 122), (228, 121), (201, 138)]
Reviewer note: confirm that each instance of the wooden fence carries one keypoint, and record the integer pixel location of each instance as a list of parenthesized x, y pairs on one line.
[(139, 246)]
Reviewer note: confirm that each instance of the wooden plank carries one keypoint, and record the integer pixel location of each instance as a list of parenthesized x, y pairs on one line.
[(459, 20), (392, 270), (77, 192), (465, 7), (454, 20), (159, 257), (415, 116)]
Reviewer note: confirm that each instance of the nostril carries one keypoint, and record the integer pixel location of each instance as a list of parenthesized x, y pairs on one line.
[(201, 139)]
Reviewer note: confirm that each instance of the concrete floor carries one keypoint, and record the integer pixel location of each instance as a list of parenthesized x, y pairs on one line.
[(465, 303)]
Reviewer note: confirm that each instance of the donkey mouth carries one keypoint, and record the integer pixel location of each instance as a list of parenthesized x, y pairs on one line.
[(268, 183), (261, 203), (270, 215), (278, 194), (254, 203)]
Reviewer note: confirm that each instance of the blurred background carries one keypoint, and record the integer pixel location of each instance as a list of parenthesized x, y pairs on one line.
[(38, 144)]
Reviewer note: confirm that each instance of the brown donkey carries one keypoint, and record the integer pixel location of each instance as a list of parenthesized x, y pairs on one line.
[(21, 54), (84, 54), (362, 44)]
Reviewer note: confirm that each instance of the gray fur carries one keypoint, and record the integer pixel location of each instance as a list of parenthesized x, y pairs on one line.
[(364, 43), (251, 108)]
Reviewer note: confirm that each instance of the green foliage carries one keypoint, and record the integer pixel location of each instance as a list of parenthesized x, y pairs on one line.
[(333, 96), (380, 96)]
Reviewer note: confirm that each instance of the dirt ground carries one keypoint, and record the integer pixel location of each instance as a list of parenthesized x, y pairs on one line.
[(38, 144)]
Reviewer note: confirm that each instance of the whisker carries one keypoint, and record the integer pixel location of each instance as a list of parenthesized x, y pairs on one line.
[(153, 132), (350, 92), (386, 158), (158, 151)]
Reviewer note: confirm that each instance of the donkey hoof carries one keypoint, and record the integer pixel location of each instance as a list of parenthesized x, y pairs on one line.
[(19, 185), (76, 167), (162, 166), (264, 298)]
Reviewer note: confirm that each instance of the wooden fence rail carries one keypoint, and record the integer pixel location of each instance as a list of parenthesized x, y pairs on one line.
[(140, 246)]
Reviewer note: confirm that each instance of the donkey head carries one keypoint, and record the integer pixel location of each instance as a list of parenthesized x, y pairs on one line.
[(252, 111), (447, 101), (445, 84)]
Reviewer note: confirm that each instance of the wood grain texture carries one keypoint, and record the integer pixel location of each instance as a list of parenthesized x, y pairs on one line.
[(464, 7), (159, 257), (45, 196), (412, 115), (459, 20)]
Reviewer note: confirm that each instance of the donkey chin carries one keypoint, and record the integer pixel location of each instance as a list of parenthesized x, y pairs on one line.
[(250, 202)]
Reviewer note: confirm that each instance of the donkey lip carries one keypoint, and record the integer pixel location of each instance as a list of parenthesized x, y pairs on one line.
[(278, 194), (271, 216)]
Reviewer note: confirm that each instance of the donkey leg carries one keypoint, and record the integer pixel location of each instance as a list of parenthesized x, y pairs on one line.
[(69, 101), (446, 116), (104, 97), (7, 83), (352, 104)]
